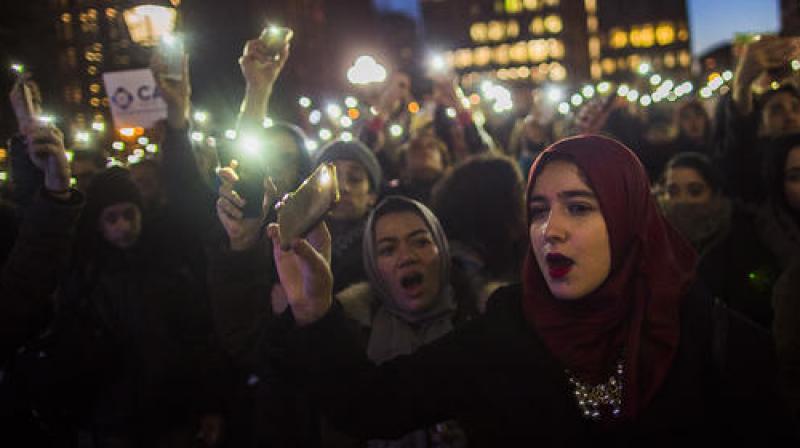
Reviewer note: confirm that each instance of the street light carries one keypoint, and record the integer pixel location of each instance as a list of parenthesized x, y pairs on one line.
[(148, 22), (366, 70)]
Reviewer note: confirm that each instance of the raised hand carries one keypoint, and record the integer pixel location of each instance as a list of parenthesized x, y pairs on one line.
[(26, 114), (305, 273), (176, 93), (242, 232), (397, 93), (46, 151)]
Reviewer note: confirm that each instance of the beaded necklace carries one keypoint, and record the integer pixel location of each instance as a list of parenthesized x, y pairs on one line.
[(598, 400)]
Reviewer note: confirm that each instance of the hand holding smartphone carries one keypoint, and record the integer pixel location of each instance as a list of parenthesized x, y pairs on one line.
[(275, 38), (171, 50), (301, 210)]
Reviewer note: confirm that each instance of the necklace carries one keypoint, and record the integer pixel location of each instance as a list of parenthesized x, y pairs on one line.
[(597, 400)]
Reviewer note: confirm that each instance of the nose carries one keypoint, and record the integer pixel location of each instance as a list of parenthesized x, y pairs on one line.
[(406, 255), (555, 229)]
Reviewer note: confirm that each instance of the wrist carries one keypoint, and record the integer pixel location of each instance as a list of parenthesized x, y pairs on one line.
[(242, 243)]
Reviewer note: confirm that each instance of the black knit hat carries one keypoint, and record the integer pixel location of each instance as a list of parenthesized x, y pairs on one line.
[(111, 186), (356, 151)]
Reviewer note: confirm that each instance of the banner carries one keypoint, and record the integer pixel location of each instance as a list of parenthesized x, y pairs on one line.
[(134, 98)]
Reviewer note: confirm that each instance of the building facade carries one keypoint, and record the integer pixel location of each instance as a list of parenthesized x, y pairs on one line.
[(563, 41)]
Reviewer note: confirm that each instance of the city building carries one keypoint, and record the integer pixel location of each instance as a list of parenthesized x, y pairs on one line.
[(565, 41)]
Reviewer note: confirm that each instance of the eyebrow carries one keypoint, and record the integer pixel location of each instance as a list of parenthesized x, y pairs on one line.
[(567, 194), (392, 239)]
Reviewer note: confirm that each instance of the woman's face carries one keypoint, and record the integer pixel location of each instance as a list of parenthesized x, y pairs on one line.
[(408, 260), (685, 185), (356, 196), (121, 224), (693, 123), (791, 179), (568, 232)]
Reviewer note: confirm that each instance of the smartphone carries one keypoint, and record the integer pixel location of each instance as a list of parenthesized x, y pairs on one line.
[(171, 50), (275, 38), (302, 209)]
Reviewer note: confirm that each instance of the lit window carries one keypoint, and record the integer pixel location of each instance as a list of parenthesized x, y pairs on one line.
[(553, 24), (512, 29), (683, 34), (591, 6), (684, 58), (91, 14), (95, 102), (496, 31), (647, 36), (537, 26), (537, 50), (66, 17), (557, 72), (94, 88), (619, 39), (92, 70), (669, 60), (105, 102), (636, 36), (634, 60), (502, 74), (596, 71), (501, 55), (519, 52), (591, 24), (609, 66), (111, 13), (594, 47), (665, 33), (463, 58), (552, 3), (524, 72), (532, 5), (481, 56), (513, 6), (478, 32), (622, 63), (556, 48)]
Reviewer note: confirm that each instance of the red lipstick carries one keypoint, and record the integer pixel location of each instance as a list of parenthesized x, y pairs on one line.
[(558, 265)]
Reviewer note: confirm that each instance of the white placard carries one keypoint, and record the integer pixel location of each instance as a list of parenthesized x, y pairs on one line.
[(134, 98)]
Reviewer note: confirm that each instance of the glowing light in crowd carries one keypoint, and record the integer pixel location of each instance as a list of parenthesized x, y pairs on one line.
[(623, 90), (197, 136), (644, 68), (143, 140), (706, 92), (230, 134), (499, 94), (151, 148), (645, 100), (604, 87), (563, 108), (413, 107), (366, 70), (727, 75), (396, 130), (353, 113), (311, 145), (315, 117), (632, 96), (70, 155), (250, 145), (119, 146), (451, 112), (437, 63), (588, 91), (334, 111), (148, 24), (47, 119), (138, 152), (346, 122), (200, 117), (347, 137), (325, 134), (373, 111), (127, 132), (98, 126), (305, 102), (554, 93), (795, 65), (19, 68), (655, 80), (350, 102), (132, 159), (576, 99), (268, 122), (82, 137)]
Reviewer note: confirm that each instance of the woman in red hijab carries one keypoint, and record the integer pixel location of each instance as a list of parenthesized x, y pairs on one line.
[(608, 340)]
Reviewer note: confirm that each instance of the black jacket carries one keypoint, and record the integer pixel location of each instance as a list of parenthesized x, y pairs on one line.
[(495, 376)]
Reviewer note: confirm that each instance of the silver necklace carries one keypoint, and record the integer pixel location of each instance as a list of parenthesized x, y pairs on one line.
[(598, 400)]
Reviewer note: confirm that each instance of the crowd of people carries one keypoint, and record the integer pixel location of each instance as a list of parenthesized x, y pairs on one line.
[(640, 287)]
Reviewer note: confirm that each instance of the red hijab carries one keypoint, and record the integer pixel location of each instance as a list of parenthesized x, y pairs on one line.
[(635, 312)]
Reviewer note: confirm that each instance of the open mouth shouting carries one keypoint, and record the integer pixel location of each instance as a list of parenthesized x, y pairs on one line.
[(558, 265), (413, 283)]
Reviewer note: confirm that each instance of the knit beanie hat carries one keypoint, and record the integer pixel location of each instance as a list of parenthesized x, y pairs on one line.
[(111, 186), (355, 151)]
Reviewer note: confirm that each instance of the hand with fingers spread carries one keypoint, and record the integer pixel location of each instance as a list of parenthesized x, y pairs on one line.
[(26, 111), (757, 58), (176, 93), (46, 151), (305, 273), (242, 232)]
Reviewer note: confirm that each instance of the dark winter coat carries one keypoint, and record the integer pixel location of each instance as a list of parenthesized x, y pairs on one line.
[(495, 376)]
